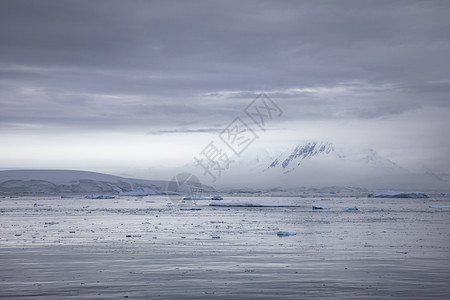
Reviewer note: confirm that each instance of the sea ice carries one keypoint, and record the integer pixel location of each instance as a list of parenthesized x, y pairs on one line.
[(251, 204), (204, 198), (285, 233), (315, 207), (196, 198), (350, 208), (99, 197), (395, 194), (439, 206), (190, 208)]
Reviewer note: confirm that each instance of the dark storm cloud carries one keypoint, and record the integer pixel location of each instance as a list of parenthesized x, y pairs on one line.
[(152, 64)]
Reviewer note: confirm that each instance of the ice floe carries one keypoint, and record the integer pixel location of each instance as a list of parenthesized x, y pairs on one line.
[(317, 207), (204, 198), (350, 208), (251, 204), (190, 208), (196, 198), (395, 194), (285, 233), (99, 197), (439, 206)]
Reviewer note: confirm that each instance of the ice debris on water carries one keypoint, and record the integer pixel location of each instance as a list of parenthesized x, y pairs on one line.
[(285, 233), (196, 198), (395, 194), (92, 196), (350, 208), (316, 207), (190, 208), (439, 206), (251, 204), (51, 223)]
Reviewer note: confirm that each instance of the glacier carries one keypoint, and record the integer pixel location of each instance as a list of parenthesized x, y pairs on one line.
[(141, 191)]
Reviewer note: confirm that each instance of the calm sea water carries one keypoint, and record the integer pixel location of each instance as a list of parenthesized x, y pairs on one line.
[(153, 248)]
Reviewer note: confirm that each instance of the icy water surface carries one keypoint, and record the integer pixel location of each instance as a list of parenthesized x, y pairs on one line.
[(151, 248)]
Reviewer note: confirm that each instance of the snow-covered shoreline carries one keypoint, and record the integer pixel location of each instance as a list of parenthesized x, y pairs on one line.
[(62, 182)]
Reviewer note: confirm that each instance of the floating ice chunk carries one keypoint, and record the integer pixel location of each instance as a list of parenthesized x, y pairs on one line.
[(196, 198), (139, 192), (350, 208), (285, 233), (99, 197), (251, 204), (204, 198), (395, 194), (315, 207), (190, 208), (51, 223), (439, 206)]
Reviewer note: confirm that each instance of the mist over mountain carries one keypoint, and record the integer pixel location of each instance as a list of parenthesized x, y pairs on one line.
[(320, 164), (290, 161), (306, 166)]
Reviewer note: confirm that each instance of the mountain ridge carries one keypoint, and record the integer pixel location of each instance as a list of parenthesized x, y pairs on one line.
[(51, 181), (321, 163)]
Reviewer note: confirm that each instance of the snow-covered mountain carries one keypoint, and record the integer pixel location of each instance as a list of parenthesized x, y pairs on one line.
[(291, 160), (320, 164), (307, 164)]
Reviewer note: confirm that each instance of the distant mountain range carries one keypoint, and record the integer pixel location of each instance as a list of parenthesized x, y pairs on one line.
[(48, 182), (319, 164), (303, 167)]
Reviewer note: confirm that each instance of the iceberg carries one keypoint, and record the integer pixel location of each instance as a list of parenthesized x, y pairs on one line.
[(395, 194)]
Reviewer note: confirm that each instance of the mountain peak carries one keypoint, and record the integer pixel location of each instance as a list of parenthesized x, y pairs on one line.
[(301, 153)]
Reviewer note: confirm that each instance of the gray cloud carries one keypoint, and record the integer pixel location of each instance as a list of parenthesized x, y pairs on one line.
[(153, 64)]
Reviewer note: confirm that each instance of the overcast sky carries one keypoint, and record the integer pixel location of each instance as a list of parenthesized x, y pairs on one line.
[(128, 85)]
